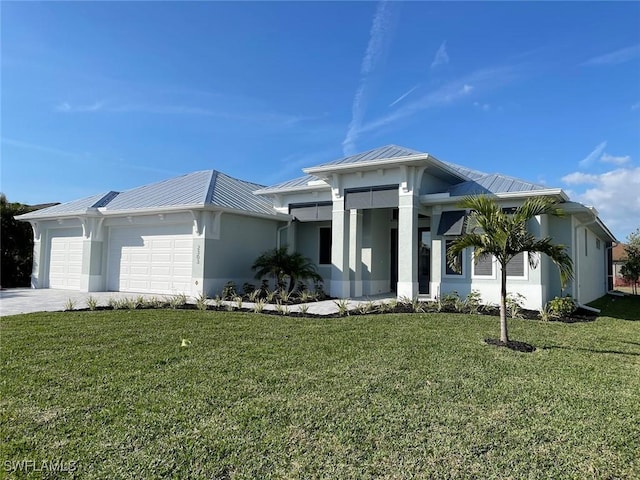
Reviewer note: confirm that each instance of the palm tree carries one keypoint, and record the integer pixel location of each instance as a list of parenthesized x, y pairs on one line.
[(280, 264), (504, 235)]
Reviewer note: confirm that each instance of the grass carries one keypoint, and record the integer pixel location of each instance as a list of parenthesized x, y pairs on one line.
[(253, 396)]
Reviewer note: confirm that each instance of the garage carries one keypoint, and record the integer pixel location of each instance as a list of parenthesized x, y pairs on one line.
[(65, 258), (151, 259)]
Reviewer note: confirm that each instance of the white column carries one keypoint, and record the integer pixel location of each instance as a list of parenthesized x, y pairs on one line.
[(355, 251), (340, 287), (37, 272), (407, 245), (436, 254)]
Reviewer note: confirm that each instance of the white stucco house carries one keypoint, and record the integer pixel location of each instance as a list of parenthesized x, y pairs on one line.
[(375, 222)]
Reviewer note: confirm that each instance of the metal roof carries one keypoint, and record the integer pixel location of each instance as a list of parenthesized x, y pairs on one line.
[(492, 184), (381, 153), (79, 207), (300, 183), (207, 187)]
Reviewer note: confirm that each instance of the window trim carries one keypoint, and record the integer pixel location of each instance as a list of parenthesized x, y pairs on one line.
[(494, 268), (445, 266), (525, 269)]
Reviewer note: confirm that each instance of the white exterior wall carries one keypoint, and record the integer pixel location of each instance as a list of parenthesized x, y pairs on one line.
[(308, 244), (591, 273), (229, 257)]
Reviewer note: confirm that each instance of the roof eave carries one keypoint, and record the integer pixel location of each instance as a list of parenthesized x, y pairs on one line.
[(370, 164), (299, 188)]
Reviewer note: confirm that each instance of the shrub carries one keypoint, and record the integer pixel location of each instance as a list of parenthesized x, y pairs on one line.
[(248, 288), (201, 301), (303, 309), (255, 295), (515, 301), (562, 306), (343, 306), (70, 304), (177, 301), (92, 303), (472, 302), (258, 306), (229, 291)]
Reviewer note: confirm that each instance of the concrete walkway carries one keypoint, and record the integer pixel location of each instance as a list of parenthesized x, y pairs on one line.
[(15, 301)]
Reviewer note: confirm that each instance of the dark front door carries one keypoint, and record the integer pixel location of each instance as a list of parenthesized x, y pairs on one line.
[(424, 260), (394, 260)]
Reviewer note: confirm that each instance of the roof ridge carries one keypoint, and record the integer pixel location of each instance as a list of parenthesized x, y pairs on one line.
[(213, 180)]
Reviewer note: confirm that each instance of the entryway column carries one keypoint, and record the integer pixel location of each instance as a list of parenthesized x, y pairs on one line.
[(340, 287), (355, 251), (407, 245), (92, 274)]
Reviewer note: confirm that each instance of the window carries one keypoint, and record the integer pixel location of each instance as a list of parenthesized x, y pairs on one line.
[(516, 267), (483, 266), (324, 250), (448, 270), (598, 243), (586, 240)]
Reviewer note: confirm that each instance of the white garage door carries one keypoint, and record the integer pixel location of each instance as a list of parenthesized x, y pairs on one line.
[(150, 259), (65, 258)]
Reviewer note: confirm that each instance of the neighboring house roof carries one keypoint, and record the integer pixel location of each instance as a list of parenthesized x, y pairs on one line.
[(197, 189), (619, 253)]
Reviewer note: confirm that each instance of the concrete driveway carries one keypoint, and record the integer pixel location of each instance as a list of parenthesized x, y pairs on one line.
[(14, 301)]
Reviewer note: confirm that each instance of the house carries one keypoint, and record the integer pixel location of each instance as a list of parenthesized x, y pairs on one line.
[(619, 258), (376, 222)]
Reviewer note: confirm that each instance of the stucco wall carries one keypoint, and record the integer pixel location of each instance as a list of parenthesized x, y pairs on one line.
[(230, 257), (591, 266)]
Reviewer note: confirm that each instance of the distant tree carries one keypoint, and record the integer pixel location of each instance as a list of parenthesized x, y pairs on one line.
[(16, 244), (282, 265), (504, 236), (630, 270)]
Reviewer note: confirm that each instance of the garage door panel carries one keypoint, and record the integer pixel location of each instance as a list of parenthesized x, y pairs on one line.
[(150, 259), (65, 258)]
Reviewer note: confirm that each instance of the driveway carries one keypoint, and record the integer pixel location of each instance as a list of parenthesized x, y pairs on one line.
[(14, 301)]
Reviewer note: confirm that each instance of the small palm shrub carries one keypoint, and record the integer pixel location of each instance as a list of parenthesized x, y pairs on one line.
[(473, 302), (229, 291), (343, 306), (562, 306), (258, 306), (201, 301), (238, 300), (69, 305), (255, 295), (303, 309), (177, 301), (515, 301), (282, 309), (92, 303)]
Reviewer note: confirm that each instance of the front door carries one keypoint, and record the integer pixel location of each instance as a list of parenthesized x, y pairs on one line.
[(394, 260), (424, 259)]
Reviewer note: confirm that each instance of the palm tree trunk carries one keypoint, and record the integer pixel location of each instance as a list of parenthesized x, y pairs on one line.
[(504, 336)]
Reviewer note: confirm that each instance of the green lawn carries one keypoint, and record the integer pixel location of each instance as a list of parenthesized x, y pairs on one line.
[(380, 396)]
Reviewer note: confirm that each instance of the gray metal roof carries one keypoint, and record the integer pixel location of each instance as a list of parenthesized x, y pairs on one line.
[(204, 188), (79, 207), (493, 184), (299, 183), (381, 153)]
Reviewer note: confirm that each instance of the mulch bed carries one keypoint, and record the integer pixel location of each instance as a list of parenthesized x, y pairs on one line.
[(511, 344)]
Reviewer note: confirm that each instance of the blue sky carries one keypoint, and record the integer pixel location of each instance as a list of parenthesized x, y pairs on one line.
[(112, 95)]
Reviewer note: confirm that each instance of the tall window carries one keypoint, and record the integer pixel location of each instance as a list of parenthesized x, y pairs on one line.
[(448, 270), (324, 250)]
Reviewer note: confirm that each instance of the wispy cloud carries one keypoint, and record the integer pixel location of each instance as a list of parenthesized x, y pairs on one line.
[(579, 178), (66, 107), (447, 94), (593, 156), (379, 39), (441, 57), (40, 148), (262, 117), (620, 160), (403, 96), (614, 58), (482, 106)]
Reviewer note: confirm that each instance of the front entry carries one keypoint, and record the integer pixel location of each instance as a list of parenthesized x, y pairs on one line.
[(424, 260)]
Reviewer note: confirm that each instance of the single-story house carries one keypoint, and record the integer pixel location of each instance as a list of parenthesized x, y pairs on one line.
[(375, 222)]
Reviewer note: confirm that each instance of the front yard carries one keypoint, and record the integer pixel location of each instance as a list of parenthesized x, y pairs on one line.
[(113, 394)]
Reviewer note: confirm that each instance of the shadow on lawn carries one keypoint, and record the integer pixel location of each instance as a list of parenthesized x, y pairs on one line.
[(591, 350), (621, 308)]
